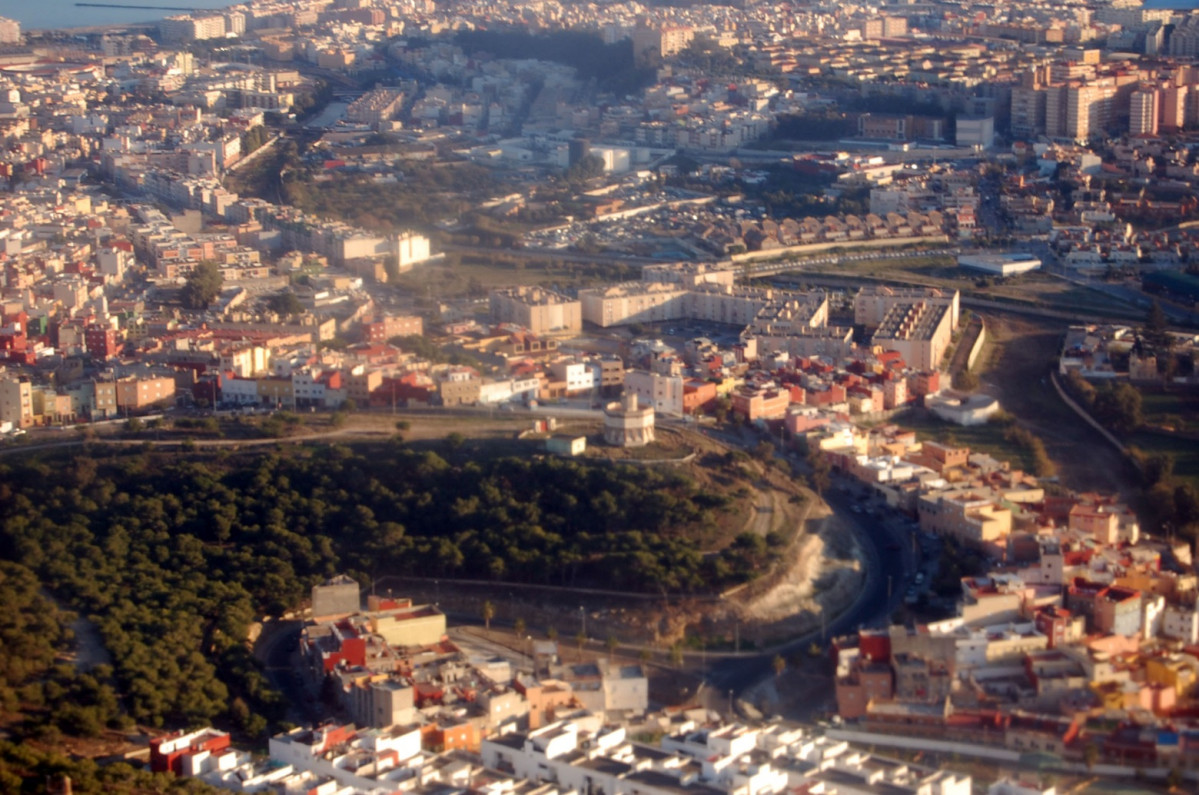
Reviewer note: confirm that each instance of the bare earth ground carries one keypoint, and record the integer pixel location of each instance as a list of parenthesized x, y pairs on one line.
[(1023, 351), (822, 579)]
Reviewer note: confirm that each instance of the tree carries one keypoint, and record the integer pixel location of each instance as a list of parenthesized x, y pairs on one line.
[(1157, 468), (965, 381), (1090, 755), (764, 451), (488, 614), (611, 644), (722, 408), (1155, 333), (285, 304), (1119, 407), (588, 167), (645, 655), (253, 139), (580, 640), (134, 425), (203, 285), (552, 633), (821, 475), (518, 626), (778, 665)]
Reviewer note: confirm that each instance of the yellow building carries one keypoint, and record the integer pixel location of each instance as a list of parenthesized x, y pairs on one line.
[(423, 625), (136, 394), (276, 392), (1177, 672)]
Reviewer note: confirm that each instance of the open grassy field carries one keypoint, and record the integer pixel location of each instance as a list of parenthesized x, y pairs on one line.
[(941, 270), (1176, 410), (986, 438), (1183, 450), (467, 274)]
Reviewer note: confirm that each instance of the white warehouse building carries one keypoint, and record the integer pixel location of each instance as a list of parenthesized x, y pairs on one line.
[(1009, 264)]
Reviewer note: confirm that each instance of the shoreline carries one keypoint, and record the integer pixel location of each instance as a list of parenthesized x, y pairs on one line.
[(104, 28), (99, 27)]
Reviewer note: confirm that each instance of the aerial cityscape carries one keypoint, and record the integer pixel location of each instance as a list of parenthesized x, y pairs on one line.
[(453, 397)]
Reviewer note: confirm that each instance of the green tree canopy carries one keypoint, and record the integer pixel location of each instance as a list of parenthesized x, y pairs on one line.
[(1119, 407), (588, 167), (203, 286), (1155, 333), (285, 303)]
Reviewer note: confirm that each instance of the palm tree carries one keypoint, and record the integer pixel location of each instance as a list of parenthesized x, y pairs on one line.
[(552, 633), (518, 626), (778, 664), (580, 639), (611, 643), (645, 656), (1090, 755), (488, 614), (676, 655)]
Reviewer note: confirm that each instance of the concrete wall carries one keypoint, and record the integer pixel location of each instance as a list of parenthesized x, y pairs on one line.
[(979, 342), (992, 753)]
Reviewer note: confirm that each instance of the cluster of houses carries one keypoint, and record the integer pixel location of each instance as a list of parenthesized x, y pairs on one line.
[(1082, 633), (697, 755)]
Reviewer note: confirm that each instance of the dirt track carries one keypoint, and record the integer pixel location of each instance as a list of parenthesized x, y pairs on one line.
[(1024, 352)]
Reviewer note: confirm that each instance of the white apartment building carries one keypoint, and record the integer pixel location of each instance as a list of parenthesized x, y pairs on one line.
[(1181, 622), (410, 249), (580, 377), (493, 392), (633, 302), (16, 402), (539, 310), (663, 392), (10, 31), (239, 391)]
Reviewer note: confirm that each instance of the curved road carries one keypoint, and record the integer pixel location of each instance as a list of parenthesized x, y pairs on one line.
[(888, 559)]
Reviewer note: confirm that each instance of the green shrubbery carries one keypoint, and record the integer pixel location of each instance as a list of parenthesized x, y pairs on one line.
[(173, 557)]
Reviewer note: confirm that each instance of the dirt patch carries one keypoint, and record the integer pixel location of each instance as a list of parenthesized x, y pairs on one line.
[(804, 691), (820, 581), (1018, 374), (89, 648), (820, 578)]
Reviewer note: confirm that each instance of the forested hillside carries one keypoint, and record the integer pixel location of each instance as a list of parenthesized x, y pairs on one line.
[(174, 556)]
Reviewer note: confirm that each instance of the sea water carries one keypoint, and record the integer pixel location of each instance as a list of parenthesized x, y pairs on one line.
[(41, 14)]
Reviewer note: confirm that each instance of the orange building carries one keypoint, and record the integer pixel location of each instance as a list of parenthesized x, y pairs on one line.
[(698, 396), (765, 404), (462, 735), (545, 697)]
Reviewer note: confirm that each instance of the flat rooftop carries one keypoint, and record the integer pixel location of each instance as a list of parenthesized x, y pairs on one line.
[(912, 321)]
